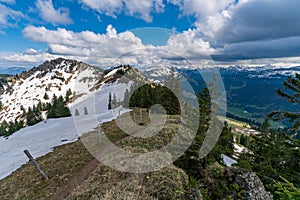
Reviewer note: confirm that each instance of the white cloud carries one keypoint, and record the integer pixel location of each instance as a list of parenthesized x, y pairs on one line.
[(143, 8), (8, 1), (246, 30), (114, 47), (31, 51), (23, 59), (139, 8), (201, 8), (57, 49), (189, 45), (52, 15), (85, 45), (107, 7), (252, 21), (62, 36), (111, 47), (8, 16)]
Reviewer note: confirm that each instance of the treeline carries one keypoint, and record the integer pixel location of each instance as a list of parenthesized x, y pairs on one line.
[(56, 109), (167, 95), (254, 124), (149, 95), (274, 156), (8, 128)]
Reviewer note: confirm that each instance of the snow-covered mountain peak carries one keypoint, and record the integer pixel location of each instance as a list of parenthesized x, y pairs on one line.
[(41, 83)]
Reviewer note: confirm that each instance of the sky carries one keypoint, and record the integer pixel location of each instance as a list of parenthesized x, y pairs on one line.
[(150, 32)]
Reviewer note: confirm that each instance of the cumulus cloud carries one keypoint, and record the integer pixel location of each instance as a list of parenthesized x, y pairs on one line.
[(8, 16), (189, 45), (52, 15), (139, 8), (111, 47), (247, 29), (60, 40), (201, 8), (85, 45), (253, 20), (62, 36)]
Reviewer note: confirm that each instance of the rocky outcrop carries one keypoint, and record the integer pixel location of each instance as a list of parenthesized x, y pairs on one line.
[(249, 182)]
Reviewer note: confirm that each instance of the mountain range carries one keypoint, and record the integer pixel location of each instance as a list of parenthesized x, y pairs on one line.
[(250, 90)]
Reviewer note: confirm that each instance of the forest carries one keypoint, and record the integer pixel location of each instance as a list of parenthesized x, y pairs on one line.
[(273, 154)]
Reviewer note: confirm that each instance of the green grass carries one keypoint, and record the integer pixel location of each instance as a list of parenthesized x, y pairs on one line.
[(239, 112)]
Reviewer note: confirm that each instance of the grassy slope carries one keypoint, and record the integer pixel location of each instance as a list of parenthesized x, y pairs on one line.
[(59, 165), (104, 183)]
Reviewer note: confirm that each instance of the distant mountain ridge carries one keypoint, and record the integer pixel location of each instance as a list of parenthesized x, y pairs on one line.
[(12, 70), (250, 90)]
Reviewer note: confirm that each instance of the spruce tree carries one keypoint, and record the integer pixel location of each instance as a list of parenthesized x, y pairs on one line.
[(85, 111), (58, 108), (68, 94), (291, 92), (126, 98), (109, 102), (46, 97), (114, 101), (190, 161)]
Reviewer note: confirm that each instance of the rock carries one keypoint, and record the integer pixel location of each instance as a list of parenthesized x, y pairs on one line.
[(250, 182)]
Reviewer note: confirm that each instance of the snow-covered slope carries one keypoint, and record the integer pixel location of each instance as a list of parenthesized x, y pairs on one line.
[(41, 138), (52, 77), (91, 94)]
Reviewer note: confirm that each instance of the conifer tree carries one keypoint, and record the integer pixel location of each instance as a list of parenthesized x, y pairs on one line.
[(291, 92), (109, 102), (114, 101), (33, 116), (85, 111), (46, 97), (126, 98), (68, 94), (58, 108), (190, 161), (3, 128)]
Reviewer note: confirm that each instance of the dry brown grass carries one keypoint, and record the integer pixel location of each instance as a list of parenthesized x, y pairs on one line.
[(60, 165), (104, 183)]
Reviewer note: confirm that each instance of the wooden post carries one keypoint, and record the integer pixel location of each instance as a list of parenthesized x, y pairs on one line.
[(141, 117), (35, 164)]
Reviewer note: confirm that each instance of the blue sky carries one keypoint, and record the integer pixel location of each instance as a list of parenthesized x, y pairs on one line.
[(224, 32)]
